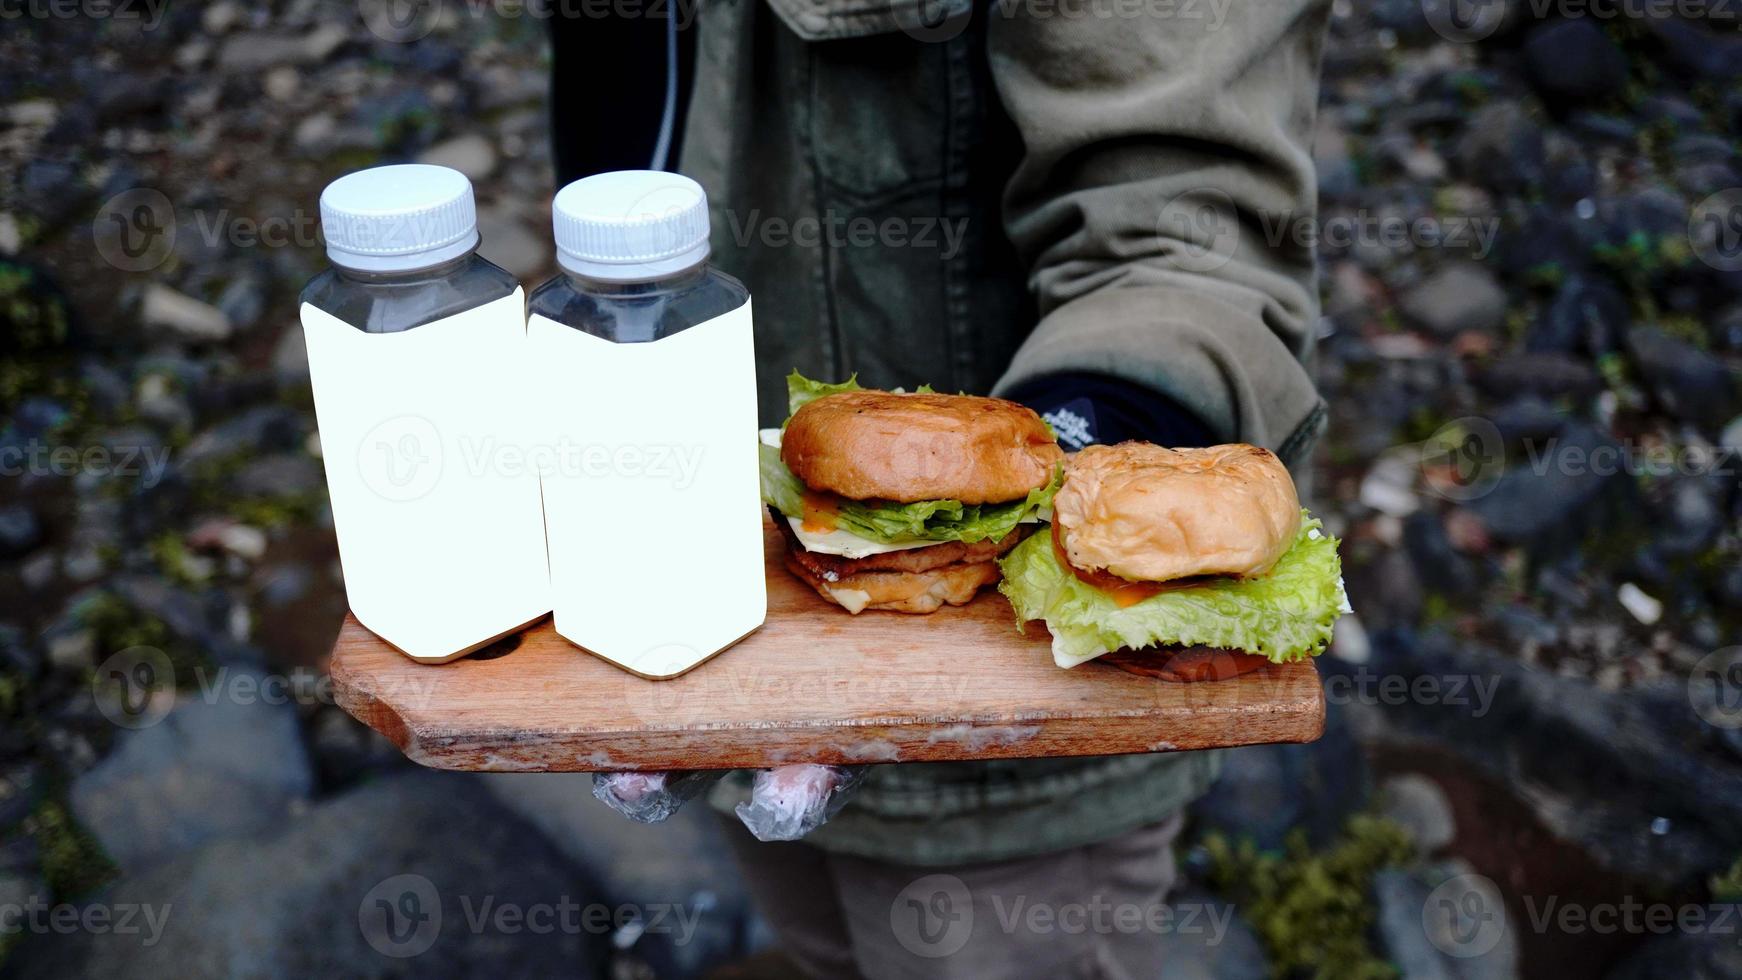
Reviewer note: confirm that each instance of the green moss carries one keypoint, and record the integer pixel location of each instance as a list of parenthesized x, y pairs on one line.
[(73, 863), (1313, 909), (1727, 887)]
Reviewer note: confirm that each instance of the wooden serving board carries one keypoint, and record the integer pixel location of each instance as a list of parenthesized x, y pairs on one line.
[(813, 685)]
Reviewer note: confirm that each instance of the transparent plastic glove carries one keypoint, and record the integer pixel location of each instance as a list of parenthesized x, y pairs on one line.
[(790, 802), (649, 797)]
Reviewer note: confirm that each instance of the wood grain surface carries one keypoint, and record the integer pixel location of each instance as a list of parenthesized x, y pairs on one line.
[(813, 685)]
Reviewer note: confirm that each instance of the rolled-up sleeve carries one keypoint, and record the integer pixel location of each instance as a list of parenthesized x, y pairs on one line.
[(1165, 201)]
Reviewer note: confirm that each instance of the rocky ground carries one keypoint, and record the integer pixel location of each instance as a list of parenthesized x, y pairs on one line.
[(1530, 266)]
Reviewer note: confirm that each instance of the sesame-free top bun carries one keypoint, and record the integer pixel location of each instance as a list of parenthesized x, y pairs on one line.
[(1152, 514), (876, 445)]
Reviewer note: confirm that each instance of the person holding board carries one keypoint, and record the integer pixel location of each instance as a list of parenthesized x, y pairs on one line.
[(1055, 204)]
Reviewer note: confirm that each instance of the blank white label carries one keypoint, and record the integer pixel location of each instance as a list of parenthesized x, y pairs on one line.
[(440, 526), (651, 491)]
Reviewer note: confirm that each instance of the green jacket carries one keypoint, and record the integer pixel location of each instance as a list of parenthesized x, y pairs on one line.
[(973, 197)]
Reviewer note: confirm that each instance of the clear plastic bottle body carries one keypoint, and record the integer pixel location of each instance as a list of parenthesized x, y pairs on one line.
[(390, 302), (638, 312)]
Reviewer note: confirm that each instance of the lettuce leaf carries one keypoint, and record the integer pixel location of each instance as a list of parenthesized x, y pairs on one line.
[(1286, 615), (887, 522), (801, 391)]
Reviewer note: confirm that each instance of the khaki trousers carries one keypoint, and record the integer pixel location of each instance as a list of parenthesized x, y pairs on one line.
[(1096, 911)]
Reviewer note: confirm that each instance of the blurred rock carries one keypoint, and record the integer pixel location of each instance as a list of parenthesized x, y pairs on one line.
[(1421, 807), (1709, 955), (183, 316), (20, 531), (420, 874), (1587, 315), (1265, 791), (1574, 61), (508, 242), (221, 764), (1204, 954), (1502, 147), (1457, 297), (1555, 494), (1690, 383), (472, 155), (683, 860), (1439, 566), (1547, 374), (280, 475)]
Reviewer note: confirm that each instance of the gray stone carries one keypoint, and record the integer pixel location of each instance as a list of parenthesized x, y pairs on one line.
[(182, 315), (1212, 941), (1400, 898), (1266, 791), (20, 531), (1574, 61), (1459, 296), (1689, 383), (1708, 955), (415, 875), (472, 155), (1553, 497), (1421, 807), (219, 764), (508, 242), (681, 860), (280, 475), (256, 51)]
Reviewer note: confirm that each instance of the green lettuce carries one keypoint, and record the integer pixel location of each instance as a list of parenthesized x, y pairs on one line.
[(801, 391), (885, 521), (1286, 615), (888, 522)]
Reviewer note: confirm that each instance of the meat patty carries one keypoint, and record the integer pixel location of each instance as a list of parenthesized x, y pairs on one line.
[(833, 568)]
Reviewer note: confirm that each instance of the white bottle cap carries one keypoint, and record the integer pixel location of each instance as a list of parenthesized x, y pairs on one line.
[(399, 218), (631, 225)]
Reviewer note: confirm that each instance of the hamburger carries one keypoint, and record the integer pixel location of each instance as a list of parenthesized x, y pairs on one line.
[(904, 501), (1199, 556)]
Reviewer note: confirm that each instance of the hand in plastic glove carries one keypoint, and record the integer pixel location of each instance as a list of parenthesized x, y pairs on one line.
[(790, 802), (785, 803)]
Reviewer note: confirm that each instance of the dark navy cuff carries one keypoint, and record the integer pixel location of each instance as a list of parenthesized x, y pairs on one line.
[(1086, 409)]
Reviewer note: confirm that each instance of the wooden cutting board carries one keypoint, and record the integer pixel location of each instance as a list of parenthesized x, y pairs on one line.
[(813, 685)]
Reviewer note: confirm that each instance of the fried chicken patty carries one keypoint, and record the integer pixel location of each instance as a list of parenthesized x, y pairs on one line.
[(917, 580)]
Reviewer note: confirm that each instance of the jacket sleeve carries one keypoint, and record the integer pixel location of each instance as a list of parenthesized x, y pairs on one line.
[(1165, 200)]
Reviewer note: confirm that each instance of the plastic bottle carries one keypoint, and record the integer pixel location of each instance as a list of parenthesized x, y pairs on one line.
[(417, 361), (652, 507)]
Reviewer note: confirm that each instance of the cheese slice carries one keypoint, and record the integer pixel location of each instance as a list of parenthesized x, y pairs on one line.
[(846, 544)]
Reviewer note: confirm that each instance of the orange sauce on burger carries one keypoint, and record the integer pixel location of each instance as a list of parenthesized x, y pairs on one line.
[(1122, 591), (822, 512)]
